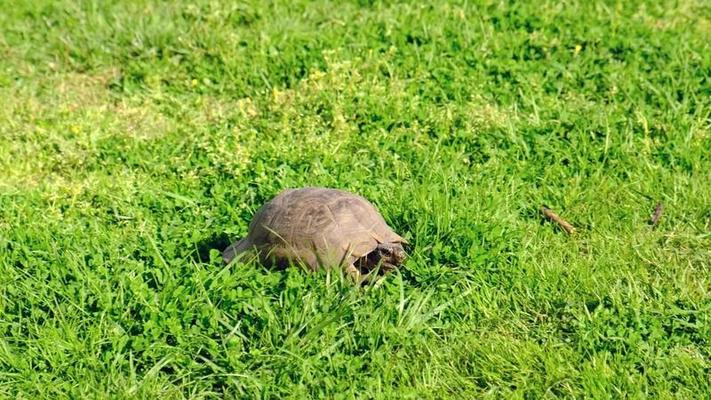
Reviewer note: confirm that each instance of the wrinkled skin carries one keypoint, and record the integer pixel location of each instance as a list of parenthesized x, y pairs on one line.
[(387, 257)]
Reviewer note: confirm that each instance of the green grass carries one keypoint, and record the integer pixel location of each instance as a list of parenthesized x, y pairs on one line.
[(136, 138)]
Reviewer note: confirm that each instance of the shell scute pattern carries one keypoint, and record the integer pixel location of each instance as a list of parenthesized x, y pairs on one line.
[(317, 226)]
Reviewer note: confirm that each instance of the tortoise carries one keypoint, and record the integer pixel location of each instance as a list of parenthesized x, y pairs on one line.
[(321, 228)]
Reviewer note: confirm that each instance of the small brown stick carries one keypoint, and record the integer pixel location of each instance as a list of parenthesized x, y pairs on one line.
[(654, 220), (548, 213)]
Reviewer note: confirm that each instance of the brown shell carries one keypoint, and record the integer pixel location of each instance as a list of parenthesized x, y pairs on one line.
[(317, 226)]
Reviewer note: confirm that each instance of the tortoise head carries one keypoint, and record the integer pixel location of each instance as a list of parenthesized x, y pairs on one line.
[(388, 255)]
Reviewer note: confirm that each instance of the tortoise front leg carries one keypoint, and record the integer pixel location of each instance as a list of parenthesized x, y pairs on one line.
[(360, 278), (354, 274)]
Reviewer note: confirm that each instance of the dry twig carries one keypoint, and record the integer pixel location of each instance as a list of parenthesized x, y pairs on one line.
[(654, 220), (565, 225)]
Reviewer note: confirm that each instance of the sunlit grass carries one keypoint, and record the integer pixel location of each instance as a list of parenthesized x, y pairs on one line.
[(138, 138)]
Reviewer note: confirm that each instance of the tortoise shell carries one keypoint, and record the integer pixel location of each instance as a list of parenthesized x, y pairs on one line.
[(318, 227)]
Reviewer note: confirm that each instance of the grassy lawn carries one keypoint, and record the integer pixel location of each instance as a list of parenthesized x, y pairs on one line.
[(138, 138)]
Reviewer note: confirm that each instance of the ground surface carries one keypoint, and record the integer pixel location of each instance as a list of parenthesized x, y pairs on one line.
[(135, 137)]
